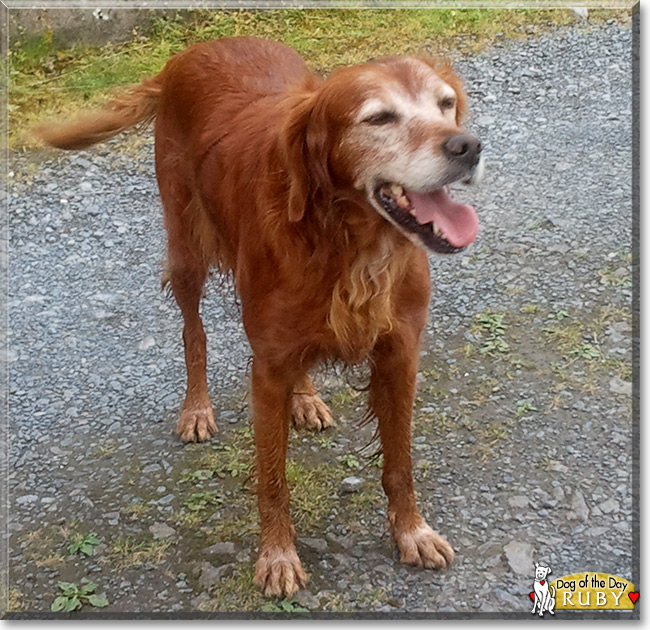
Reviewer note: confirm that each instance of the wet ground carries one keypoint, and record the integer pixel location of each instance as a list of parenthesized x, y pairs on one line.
[(522, 435)]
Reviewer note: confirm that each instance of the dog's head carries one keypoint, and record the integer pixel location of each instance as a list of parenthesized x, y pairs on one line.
[(390, 130), (541, 571)]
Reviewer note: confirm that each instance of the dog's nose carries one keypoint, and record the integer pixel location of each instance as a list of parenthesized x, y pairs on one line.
[(464, 148)]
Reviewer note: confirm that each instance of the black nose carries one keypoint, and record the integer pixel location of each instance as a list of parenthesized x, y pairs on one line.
[(463, 148)]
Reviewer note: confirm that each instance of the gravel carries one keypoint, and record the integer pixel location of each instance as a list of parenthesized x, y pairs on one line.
[(97, 372)]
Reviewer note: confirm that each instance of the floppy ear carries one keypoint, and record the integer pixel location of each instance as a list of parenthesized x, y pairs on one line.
[(305, 153)]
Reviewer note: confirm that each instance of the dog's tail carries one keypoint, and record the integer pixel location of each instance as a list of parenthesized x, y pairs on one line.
[(137, 104)]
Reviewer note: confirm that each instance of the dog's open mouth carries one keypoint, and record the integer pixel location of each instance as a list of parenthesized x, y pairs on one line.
[(442, 224)]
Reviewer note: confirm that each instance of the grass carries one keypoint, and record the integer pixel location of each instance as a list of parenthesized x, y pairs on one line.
[(491, 327), (312, 487), (130, 552), (16, 601), (46, 80), (236, 592)]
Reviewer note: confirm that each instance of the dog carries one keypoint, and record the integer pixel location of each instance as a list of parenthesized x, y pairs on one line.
[(322, 199), (544, 598)]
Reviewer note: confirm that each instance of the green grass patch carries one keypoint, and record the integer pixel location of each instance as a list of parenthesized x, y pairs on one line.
[(130, 552), (491, 327), (46, 79)]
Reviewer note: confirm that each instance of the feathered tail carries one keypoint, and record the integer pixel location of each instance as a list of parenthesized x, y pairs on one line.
[(136, 104)]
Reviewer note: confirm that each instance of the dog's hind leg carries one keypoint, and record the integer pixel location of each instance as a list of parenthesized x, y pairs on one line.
[(186, 271), (308, 411)]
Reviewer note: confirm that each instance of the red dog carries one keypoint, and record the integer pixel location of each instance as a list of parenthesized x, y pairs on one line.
[(321, 198)]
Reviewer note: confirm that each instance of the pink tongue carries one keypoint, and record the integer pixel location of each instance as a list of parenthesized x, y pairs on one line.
[(457, 222)]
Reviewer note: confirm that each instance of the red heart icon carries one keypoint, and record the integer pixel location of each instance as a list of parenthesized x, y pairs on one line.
[(542, 582), (532, 595), (633, 596)]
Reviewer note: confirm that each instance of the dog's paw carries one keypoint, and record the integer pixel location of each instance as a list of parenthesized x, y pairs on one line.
[(278, 572), (196, 423), (423, 547), (308, 411)]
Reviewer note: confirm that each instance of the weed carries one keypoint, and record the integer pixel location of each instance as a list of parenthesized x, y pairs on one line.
[(586, 351), (105, 449), (16, 601), (525, 406), (326, 440), (198, 501), (73, 597), (83, 543), (236, 592), (284, 605), (53, 561), (492, 328), (344, 398), (137, 509), (312, 489), (616, 277), (350, 461), (195, 476), (129, 552)]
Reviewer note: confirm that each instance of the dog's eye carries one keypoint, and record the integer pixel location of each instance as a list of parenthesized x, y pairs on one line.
[(382, 118), (447, 103)]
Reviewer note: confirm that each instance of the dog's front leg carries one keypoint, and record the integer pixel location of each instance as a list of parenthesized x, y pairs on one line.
[(278, 570), (392, 390)]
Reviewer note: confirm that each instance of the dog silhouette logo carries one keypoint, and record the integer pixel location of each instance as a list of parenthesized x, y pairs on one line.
[(543, 594)]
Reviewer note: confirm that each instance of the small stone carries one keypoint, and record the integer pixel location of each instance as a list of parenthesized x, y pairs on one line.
[(306, 600), (351, 484), (26, 498), (211, 575), (317, 544), (221, 549), (146, 343), (609, 506), (519, 501), (161, 530), (579, 508), (519, 556), (619, 386)]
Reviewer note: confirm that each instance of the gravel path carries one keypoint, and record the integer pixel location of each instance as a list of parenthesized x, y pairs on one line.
[(523, 422)]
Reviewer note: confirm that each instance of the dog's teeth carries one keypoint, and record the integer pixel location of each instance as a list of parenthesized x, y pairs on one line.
[(402, 202), (436, 230), (412, 212), (397, 190)]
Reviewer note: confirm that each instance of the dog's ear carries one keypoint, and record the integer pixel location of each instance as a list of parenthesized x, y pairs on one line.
[(305, 141), (536, 564), (549, 570)]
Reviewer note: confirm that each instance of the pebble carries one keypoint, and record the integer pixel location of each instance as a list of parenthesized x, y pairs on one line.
[(352, 484)]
